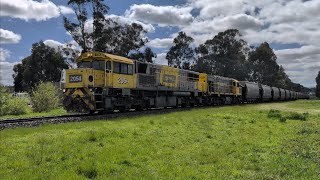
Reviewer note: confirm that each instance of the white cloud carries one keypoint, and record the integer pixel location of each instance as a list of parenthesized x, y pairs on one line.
[(29, 9), (215, 8), (71, 47), (126, 20), (6, 72), (242, 22), (65, 10), (161, 59), (160, 43), (54, 44), (161, 15), (58, 45), (291, 11), (121, 20), (4, 54), (277, 21), (301, 64), (6, 68), (211, 27), (9, 37)]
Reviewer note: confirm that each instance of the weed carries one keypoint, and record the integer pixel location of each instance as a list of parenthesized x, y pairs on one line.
[(227, 117), (88, 172), (282, 119), (305, 130), (92, 136), (209, 136), (298, 116), (126, 162), (273, 113), (135, 133)]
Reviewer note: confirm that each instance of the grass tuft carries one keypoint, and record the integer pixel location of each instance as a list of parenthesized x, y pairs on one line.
[(292, 115), (126, 163), (253, 121), (92, 136), (298, 116), (273, 113), (209, 136), (283, 119), (89, 172)]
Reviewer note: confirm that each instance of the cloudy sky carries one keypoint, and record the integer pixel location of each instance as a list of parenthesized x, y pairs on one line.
[(292, 27)]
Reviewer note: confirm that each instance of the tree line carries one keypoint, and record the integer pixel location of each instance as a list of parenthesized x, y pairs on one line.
[(226, 54)]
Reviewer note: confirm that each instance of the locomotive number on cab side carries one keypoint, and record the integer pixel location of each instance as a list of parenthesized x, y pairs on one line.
[(123, 80)]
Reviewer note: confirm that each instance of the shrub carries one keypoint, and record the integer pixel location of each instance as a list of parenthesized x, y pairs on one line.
[(3, 98), (11, 105), (14, 106), (45, 97), (298, 116), (274, 113)]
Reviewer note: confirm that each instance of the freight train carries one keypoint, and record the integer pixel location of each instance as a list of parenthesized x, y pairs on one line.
[(105, 82)]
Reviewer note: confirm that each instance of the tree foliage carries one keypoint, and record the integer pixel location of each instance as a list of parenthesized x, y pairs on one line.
[(145, 56), (70, 52), (318, 85), (77, 30), (265, 68), (105, 35), (181, 54), (224, 55), (44, 64), (122, 39)]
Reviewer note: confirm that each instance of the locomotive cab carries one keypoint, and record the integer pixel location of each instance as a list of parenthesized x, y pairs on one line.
[(89, 83), (236, 88)]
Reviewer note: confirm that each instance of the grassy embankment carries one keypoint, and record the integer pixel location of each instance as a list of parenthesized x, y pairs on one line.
[(213, 143), (55, 112)]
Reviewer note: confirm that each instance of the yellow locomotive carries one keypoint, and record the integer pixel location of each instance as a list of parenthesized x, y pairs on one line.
[(106, 82)]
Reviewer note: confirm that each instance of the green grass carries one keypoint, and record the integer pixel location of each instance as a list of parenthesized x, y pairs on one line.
[(55, 112), (233, 142), (311, 106)]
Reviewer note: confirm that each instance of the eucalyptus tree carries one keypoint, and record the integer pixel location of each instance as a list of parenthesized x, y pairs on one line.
[(97, 32), (181, 54), (225, 55)]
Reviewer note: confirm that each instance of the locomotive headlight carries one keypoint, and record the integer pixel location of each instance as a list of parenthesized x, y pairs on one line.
[(90, 89), (90, 78), (64, 90)]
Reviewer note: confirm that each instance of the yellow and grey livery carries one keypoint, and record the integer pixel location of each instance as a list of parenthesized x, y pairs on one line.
[(106, 82)]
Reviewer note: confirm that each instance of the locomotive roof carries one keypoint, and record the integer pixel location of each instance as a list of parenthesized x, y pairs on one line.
[(104, 56)]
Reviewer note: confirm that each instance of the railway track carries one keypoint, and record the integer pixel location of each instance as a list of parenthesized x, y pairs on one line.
[(20, 120), (37, 121)]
